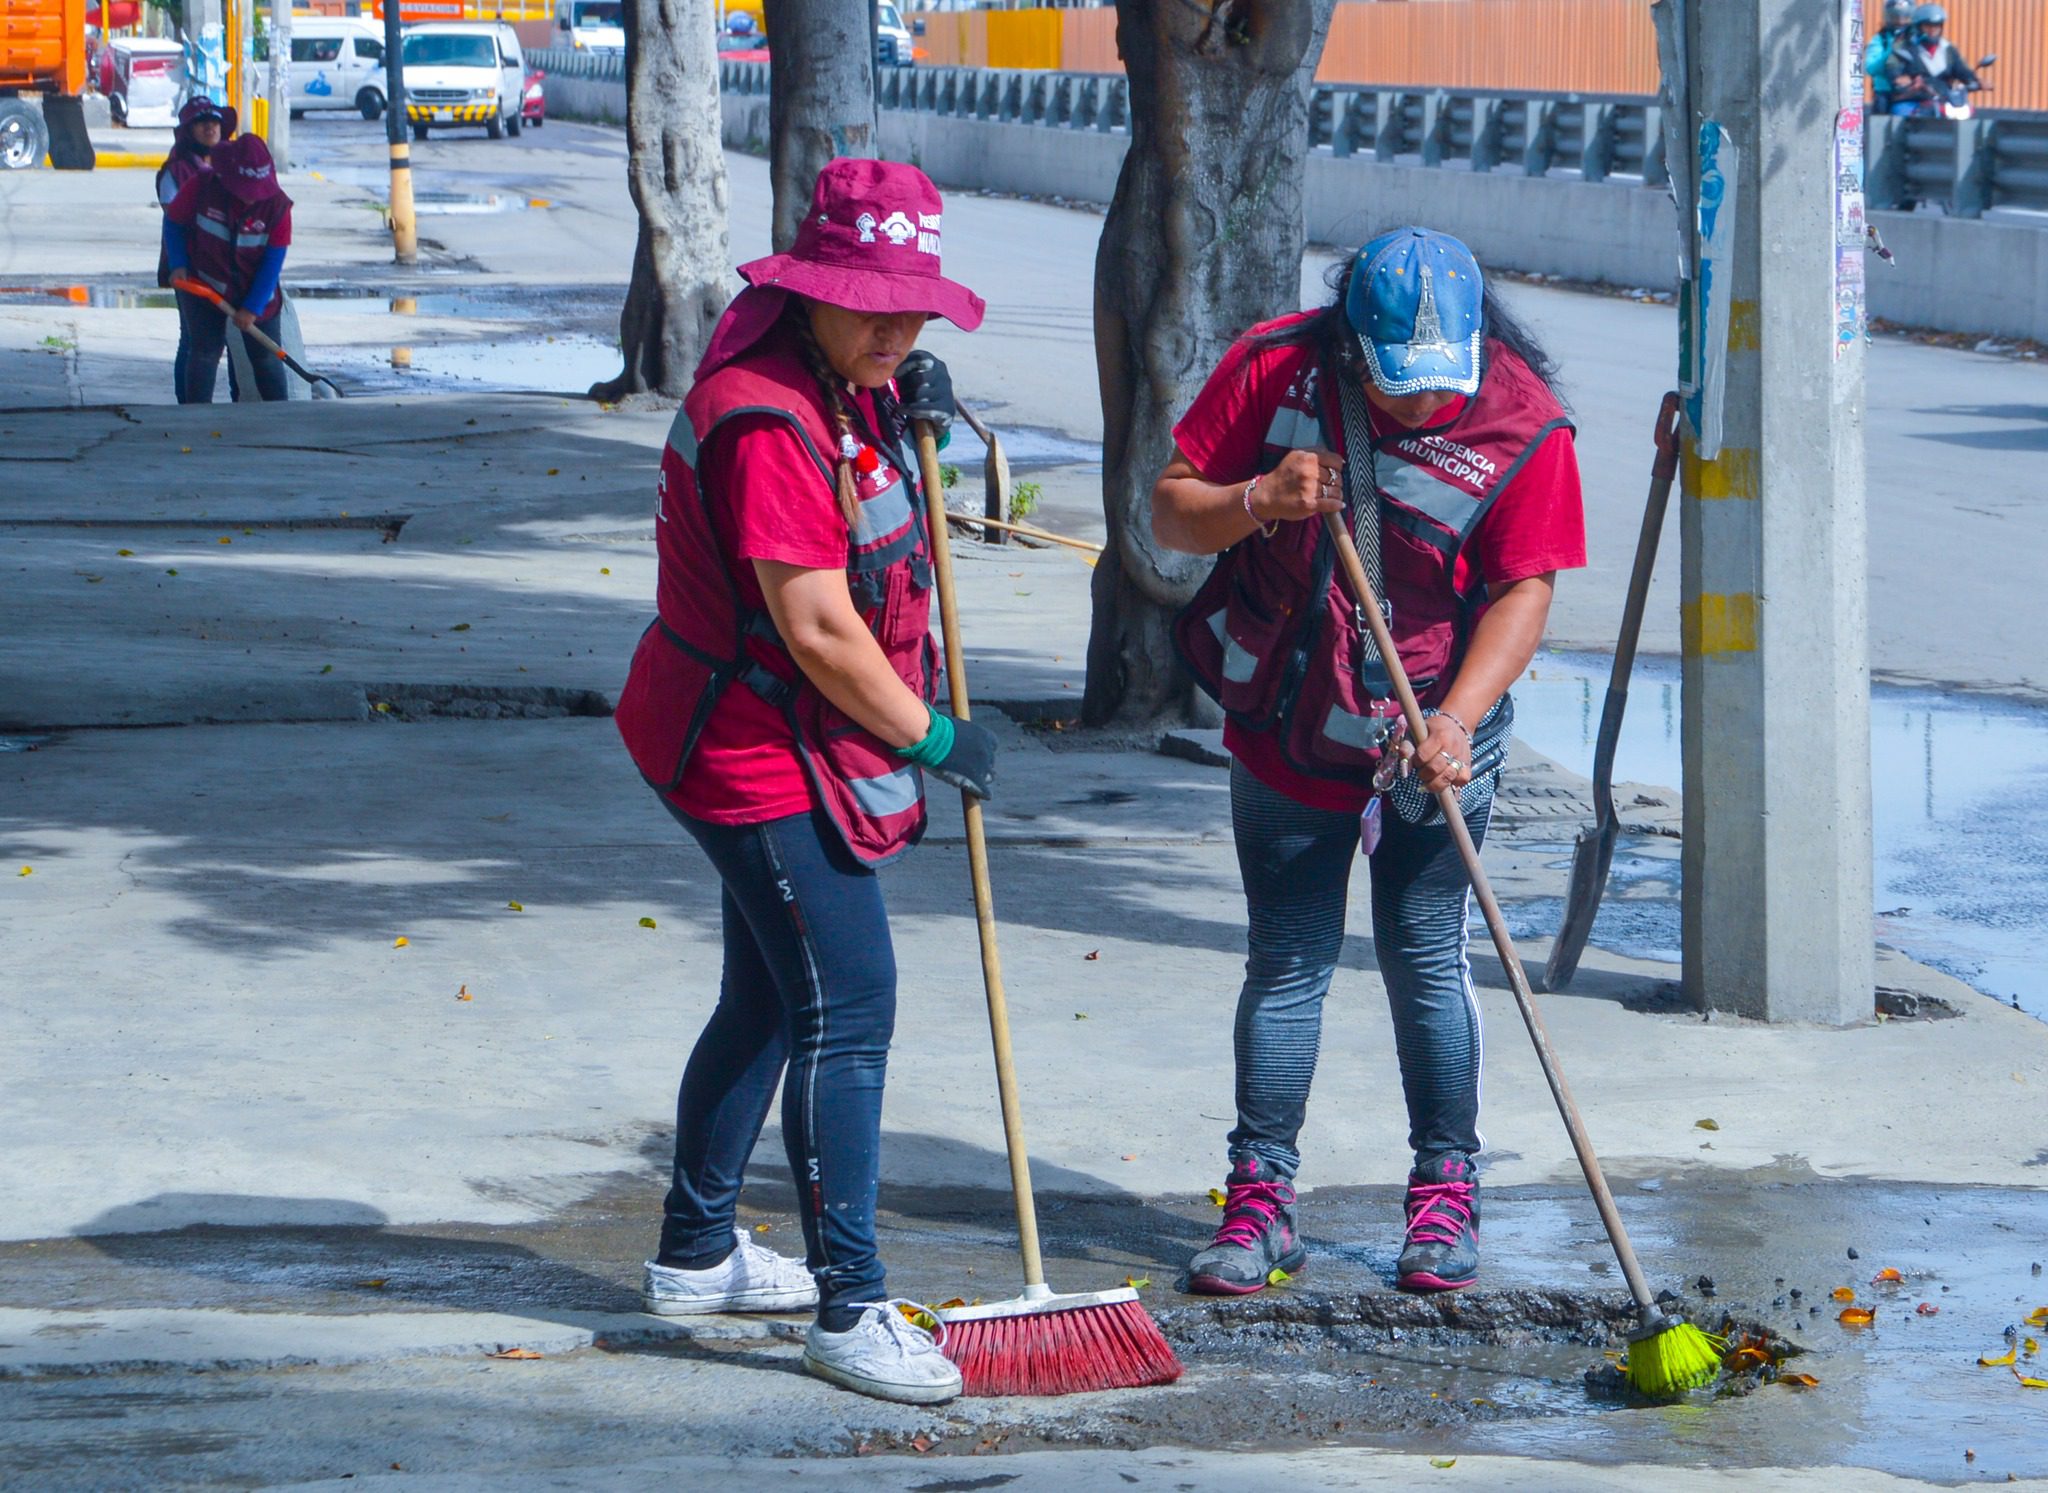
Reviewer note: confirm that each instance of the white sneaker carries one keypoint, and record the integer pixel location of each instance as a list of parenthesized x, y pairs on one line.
[(886, 1355), (751, 1279)]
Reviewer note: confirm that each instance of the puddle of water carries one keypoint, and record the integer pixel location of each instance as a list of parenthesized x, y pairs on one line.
[(564, 363), (1026, 446), (1960, 816), (476, 202), (21, 743)]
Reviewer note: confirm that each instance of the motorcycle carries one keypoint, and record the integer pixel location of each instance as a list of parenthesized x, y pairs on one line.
[(1952, 100)]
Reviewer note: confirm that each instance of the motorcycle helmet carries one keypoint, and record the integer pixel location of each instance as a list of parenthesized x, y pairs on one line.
[(1897, 14), (1929, 15)]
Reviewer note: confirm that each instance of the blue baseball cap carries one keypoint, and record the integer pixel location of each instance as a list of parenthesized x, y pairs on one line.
[(1415, 302)]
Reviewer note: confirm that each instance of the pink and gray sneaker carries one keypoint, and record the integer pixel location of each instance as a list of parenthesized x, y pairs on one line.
[(1258, 1236), (1441, 1252)]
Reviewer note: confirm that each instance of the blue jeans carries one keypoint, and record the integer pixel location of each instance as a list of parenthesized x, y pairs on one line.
[(810, 984), (203, 341), (1296, 863)]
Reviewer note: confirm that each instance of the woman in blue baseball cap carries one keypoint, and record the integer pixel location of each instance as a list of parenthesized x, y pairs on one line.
[(1415, 404)]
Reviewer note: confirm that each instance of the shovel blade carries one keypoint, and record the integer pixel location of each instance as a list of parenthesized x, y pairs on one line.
[(1592, 857)]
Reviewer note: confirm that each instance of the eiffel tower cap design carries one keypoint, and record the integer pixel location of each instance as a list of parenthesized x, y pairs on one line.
[(1429, 330)]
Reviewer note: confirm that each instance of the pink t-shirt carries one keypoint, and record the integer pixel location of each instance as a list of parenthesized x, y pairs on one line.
[(769, 502), (1537, 525)]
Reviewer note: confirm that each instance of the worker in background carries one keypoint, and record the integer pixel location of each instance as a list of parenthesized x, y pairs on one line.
[(202, 125), (1898, 16), (229, 227)]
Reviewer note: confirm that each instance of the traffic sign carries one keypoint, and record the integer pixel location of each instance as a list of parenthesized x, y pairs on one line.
[(425, 10)]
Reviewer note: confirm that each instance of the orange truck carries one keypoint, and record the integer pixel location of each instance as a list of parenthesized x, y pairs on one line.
[(42, 74)]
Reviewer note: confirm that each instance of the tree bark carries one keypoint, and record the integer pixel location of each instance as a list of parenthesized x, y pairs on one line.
[(821, 98), (1204, 238), (675, 166)]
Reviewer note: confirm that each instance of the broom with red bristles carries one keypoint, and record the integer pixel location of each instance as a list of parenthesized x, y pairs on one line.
[(1039, 1343)]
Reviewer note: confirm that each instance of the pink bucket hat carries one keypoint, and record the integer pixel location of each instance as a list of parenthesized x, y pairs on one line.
[(245, 169), (870, 243)]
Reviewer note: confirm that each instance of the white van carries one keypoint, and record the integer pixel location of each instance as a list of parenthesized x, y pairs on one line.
[(337, 63), (590, 25), (463, 73)]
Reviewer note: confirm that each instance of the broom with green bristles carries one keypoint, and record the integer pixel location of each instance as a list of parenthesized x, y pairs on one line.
[(1667, 1355)]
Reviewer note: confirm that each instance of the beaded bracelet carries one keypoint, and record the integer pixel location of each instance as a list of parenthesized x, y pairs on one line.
[(1266, 530)]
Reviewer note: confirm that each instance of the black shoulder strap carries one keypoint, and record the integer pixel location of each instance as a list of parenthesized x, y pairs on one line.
[(1362, 505)]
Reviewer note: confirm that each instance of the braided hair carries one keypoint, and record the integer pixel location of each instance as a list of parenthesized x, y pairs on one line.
[(831, 388)]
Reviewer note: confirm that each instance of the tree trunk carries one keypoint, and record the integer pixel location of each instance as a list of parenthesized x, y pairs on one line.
[(821, 98), (1204, 238), (675, 166)]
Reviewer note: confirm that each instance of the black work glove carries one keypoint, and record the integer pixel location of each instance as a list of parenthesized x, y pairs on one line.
[(924, 390), (970, 763)]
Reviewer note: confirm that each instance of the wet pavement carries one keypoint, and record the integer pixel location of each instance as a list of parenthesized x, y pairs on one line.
[(1960, 822), (1335, 1358)]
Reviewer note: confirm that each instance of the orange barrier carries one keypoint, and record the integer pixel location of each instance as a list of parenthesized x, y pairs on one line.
[(1507, 46)]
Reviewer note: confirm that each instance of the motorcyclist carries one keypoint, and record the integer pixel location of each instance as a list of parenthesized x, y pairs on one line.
[(1898, 16), (1925, 64)]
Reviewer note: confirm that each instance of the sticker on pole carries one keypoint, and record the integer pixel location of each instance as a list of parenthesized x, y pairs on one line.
[(1707, 378)]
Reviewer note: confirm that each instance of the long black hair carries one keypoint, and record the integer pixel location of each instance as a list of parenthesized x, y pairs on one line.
[(1329, 331)]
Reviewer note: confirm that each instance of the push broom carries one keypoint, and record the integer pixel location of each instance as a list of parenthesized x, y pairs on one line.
[(1666, 1355), (1039, 1343)]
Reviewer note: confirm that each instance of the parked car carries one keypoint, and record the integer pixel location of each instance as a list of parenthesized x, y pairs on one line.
[(533, 104), (893, 46), (337, 63), (149, 79), (464, 73)]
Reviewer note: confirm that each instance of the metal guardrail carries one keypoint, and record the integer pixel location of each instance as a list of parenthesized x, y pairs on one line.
[(565, 62), (1995, 160)]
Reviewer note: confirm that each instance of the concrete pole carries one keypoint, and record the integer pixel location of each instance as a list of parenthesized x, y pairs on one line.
[(405, 242), (1777, 851), (280, 116)]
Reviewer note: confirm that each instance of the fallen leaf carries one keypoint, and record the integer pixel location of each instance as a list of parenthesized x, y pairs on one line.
[(1856, 1316), (28, 870), (1843, 1293), (1927, 1309), (1132, 1157), (916, 1315), (184, 450), (762, 1228), (1886, 1277), (1746, 1358), (921, 1443), (383, 707), (124, 552), (1706, 1125), (517, 1353), (170, 572), (1799, 1381), (2038, 1317), (2030, 1383), (375, 1283), (464, 995), (1443, 1461), (1277, 1277), (225, 540), (1092, 954), (1137, 1282), (327, 668), (2030, 1347), (1080, 1016), (554, 471), (2012, 1356), (604, 570), (400, 942), (1216, 1196), (516, 906), (460, 627), (647, 922)]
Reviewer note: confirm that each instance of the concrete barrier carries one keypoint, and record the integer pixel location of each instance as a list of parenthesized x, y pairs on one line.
[(1978, 276)]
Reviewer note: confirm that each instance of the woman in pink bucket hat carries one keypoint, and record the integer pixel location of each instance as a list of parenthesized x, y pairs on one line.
[(780, 705)]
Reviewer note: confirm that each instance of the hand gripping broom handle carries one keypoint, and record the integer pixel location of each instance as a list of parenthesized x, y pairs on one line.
[(1503, 944), (977, 865)]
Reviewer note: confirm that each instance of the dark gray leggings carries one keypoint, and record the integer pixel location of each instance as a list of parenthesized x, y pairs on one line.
[(1296, 862)]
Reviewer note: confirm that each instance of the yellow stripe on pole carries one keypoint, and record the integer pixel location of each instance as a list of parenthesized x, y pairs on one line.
[(1732, 474), (1717, 624)]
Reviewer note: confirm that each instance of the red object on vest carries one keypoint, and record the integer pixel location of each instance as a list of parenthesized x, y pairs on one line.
[(1280, 662), (227, 237), (705, 640)]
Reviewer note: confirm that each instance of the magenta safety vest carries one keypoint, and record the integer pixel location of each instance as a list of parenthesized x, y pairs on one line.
[(705, 639), (1273, 634), (228, 238)]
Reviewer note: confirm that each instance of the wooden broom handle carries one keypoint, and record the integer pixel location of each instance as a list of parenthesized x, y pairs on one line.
[(1503, 943), (977, 864)]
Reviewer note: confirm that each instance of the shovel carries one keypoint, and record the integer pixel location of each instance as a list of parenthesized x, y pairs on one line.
[(1593, 854), (207, 292), (995, 476)]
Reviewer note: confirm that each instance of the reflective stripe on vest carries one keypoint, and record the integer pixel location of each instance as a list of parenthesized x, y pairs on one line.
[(1411, 483), (891, 793), (213, 226), (1294, 430), (882, 515), (682, 439), (1364, 733), (253, 240), (1239, 662)]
